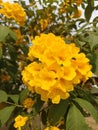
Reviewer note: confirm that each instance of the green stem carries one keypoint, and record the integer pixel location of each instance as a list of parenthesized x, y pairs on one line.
[(10, 103)]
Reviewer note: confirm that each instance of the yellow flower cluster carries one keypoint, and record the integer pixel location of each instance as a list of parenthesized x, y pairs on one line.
[(14, 11), (56, 68), (20, 121)]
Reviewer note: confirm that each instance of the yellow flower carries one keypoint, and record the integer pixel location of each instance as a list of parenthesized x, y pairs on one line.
[(81, 64), (42, 92), (44, 23), (14, 11), (69, 73), (28, 103), (52, 128), (58, 69), (20, 121), (58, 92)]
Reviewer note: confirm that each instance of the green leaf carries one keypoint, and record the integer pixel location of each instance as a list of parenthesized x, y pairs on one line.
[(12, 52), (24, 48), (93, 40), (90, 2), (0, 52), (44, 117), (3, 96), (88, 106), (75, 120), (23, 95), (12, 34), (38, 105), (57, 111), (5, 114), (3, 32), (11, 67), (15, 98), (88, 11)]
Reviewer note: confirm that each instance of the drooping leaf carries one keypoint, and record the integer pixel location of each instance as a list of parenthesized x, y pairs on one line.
[(4, 31), (5, 114), (57, 111), (3, 96), (15, 98), (75, 119), (88, 106)]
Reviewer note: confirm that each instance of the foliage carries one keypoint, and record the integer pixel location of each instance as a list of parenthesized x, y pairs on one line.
[(62, 18)]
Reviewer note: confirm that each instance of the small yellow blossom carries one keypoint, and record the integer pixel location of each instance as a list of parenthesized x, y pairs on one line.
[(28, 103), (44, 24), (13, 11), (52, 128), (20, 121)]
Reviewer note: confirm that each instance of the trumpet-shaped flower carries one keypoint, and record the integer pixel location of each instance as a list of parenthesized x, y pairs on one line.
[(20, 121)]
